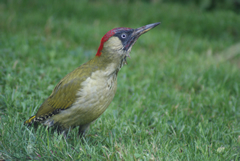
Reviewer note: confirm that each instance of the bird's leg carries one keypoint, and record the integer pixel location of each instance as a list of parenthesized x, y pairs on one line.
[(64, 133), (83, 129)]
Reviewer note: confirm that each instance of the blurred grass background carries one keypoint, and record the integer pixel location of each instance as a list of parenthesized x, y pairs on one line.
[(177, 99)]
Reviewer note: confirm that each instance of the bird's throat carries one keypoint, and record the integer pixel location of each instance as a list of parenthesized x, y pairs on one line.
[(123, 62)]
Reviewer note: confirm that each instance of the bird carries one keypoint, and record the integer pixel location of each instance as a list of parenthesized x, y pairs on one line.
[(86, 92)]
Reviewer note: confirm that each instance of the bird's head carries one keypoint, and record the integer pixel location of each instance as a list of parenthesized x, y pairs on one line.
[(117, 43)]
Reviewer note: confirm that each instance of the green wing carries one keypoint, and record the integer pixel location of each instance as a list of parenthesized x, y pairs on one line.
[(64, 94), (62, 97)]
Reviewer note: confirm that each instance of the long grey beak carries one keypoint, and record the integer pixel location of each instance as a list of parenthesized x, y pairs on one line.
[(137, 33), (141, 30)]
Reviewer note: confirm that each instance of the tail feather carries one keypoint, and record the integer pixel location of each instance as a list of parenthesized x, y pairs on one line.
[(30, 121)]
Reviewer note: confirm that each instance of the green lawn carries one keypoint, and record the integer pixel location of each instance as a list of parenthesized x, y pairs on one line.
[(177, 99)]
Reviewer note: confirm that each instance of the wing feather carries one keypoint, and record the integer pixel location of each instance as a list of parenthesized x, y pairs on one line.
[(62, 97)]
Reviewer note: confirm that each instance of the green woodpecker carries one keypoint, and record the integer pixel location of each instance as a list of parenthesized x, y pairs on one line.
[(85, 93)]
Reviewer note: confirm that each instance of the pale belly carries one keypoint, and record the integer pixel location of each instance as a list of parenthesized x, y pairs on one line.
[(92, 100)]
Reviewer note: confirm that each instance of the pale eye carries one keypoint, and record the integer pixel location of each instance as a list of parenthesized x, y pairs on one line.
[(124, 35)]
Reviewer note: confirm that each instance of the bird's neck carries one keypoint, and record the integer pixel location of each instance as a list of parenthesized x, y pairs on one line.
[(108, 64)]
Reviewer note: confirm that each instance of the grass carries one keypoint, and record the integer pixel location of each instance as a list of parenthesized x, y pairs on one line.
[(175, 99)]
